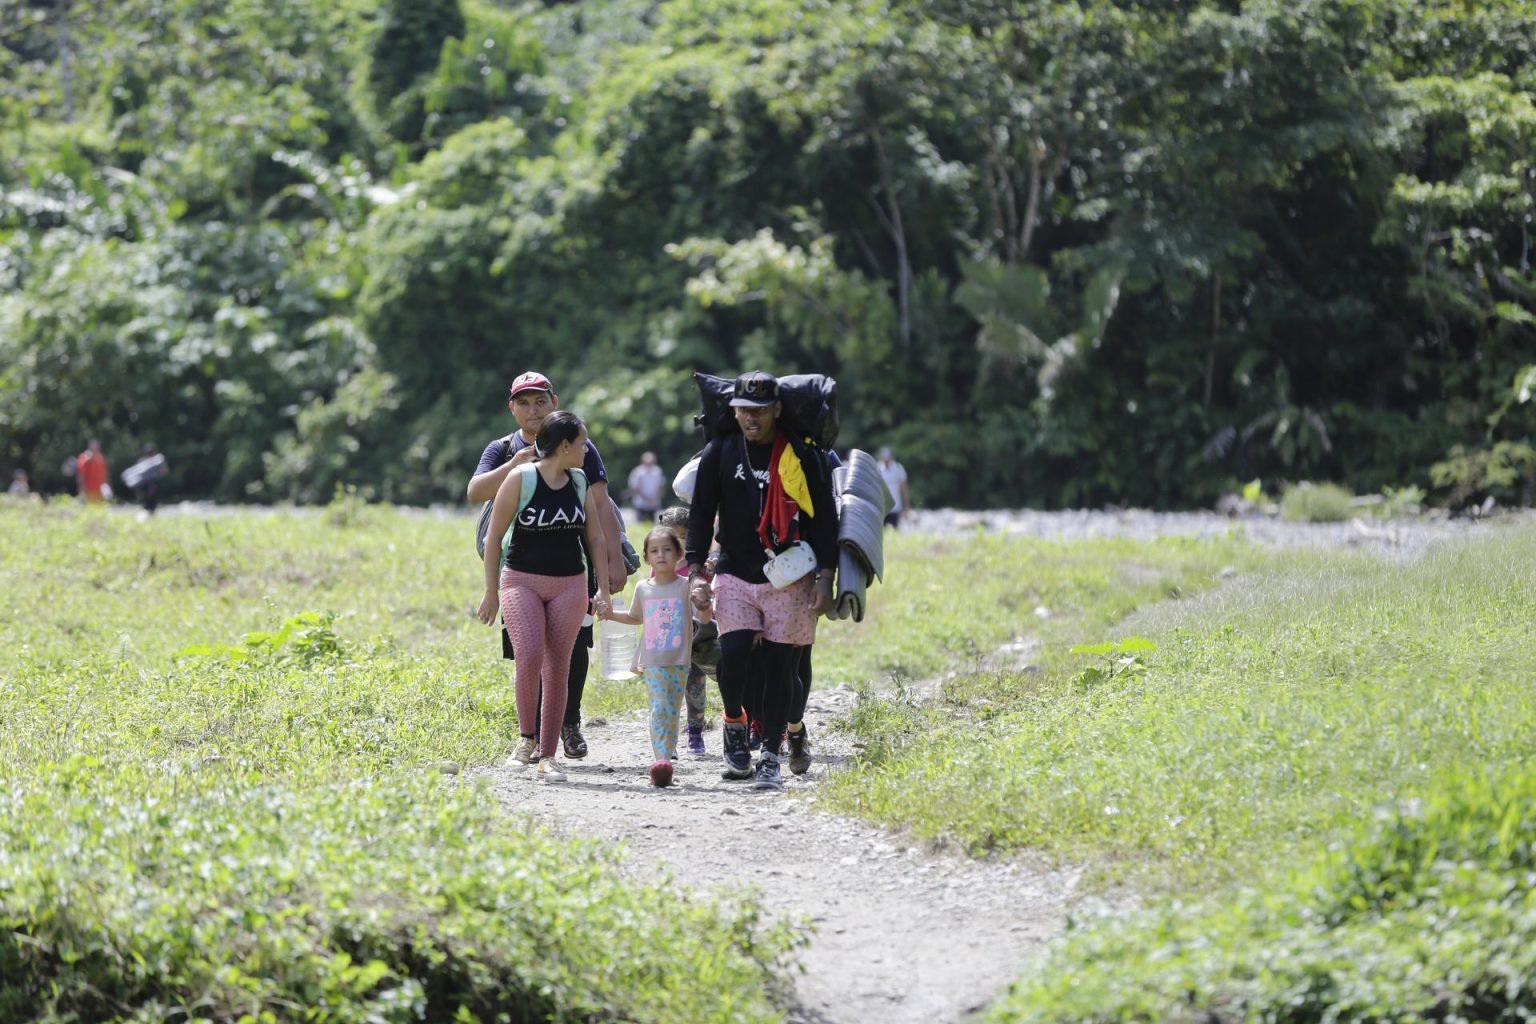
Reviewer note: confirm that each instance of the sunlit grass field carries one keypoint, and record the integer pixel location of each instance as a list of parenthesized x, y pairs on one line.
[(1269, 713), (221, 738), (1317, 776), (220, 793)]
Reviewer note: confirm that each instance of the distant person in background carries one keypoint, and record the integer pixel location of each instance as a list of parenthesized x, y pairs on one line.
[(896, 479), (144, 477), (647, 487), (91, 473), (20, 487)]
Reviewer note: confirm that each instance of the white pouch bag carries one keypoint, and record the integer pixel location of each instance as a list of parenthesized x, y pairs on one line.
[(789, 565)]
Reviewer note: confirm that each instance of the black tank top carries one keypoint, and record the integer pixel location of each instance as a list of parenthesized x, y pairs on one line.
[(546, 538)]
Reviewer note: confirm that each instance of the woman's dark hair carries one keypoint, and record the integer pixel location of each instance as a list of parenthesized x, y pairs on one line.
[(663, 531), (558, 427)]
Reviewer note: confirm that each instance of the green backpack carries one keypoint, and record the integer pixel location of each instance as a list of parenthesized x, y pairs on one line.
[(525, 492)]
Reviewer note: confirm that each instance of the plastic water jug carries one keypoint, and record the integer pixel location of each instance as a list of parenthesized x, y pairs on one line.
[(615, 646)]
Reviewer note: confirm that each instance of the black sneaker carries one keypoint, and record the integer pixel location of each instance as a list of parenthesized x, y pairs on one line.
[(738, 759), (755, 736), (575, 745), (767, 776), (800, 751)]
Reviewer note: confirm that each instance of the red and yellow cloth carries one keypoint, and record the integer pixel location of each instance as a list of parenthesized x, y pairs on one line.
[(788, 492)]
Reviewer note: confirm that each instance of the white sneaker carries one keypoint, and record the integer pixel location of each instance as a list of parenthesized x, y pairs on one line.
[(549, 770), (526, 753)]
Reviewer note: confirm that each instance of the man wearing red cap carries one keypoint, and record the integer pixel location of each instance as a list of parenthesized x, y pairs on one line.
[(533, 398)]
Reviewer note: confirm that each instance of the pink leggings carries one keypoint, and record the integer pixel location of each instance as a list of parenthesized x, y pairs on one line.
[(543, 615)]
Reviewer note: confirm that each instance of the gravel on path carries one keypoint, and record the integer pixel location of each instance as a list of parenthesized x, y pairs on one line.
[(899, 933)]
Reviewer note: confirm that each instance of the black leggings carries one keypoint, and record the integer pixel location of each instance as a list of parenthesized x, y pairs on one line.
[(803, 691), (577, 683), (766, 679)]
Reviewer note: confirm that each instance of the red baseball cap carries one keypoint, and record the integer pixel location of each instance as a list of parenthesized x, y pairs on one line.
[(531, 381)]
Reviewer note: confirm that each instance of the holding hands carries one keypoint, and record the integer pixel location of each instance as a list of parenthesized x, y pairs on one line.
[(698, 592)]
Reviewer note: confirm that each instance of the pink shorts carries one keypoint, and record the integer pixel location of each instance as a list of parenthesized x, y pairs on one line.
[(783, 616)]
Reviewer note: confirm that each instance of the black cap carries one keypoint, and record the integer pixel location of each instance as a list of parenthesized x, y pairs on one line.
[(755, 390)]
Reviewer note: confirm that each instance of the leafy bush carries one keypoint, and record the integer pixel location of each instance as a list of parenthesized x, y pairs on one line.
[(1426, 913), (1504, 471), (364, 901), (1316, 503)]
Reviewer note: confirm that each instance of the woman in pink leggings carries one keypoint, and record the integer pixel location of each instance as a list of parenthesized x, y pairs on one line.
[(543, 579)]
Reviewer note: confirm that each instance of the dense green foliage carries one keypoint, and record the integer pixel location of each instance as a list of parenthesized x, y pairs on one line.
[(1056, 253)]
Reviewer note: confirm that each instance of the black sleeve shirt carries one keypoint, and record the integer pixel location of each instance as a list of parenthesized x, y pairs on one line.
[(733, 484)]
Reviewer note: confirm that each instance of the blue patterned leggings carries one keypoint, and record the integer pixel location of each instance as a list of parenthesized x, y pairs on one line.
[(664, 686)]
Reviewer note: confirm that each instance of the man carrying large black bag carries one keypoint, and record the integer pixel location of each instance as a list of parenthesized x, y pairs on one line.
[(778, 550)]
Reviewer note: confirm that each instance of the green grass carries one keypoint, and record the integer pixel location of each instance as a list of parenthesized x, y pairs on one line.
[(374, 900), (948, 604), (1317, 776), (1425, 912), (1270, 715), (1317, 503), (216, 740)]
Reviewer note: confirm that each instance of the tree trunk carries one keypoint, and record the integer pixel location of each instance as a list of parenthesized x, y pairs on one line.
[(1210, 355), (1037, 154), (890, 215), (66, 65)]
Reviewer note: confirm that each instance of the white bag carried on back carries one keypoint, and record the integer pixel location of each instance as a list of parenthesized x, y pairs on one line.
[(683, 483)]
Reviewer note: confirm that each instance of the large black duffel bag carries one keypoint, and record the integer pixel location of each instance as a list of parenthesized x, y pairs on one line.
[(809, 399)]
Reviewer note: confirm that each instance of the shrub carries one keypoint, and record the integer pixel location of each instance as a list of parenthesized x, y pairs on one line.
[(1316, 503), (351, 902), (1506, 470), (1429, 912)]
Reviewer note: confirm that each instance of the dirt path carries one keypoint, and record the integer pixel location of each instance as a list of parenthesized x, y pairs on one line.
[(900, 934)]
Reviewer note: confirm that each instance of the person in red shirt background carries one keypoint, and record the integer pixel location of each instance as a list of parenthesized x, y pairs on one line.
[(91, 473)]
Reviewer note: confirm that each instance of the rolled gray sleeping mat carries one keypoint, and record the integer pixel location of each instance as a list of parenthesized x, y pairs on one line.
[(864, 479), (851, 582), (862, 509), (862, 528)]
